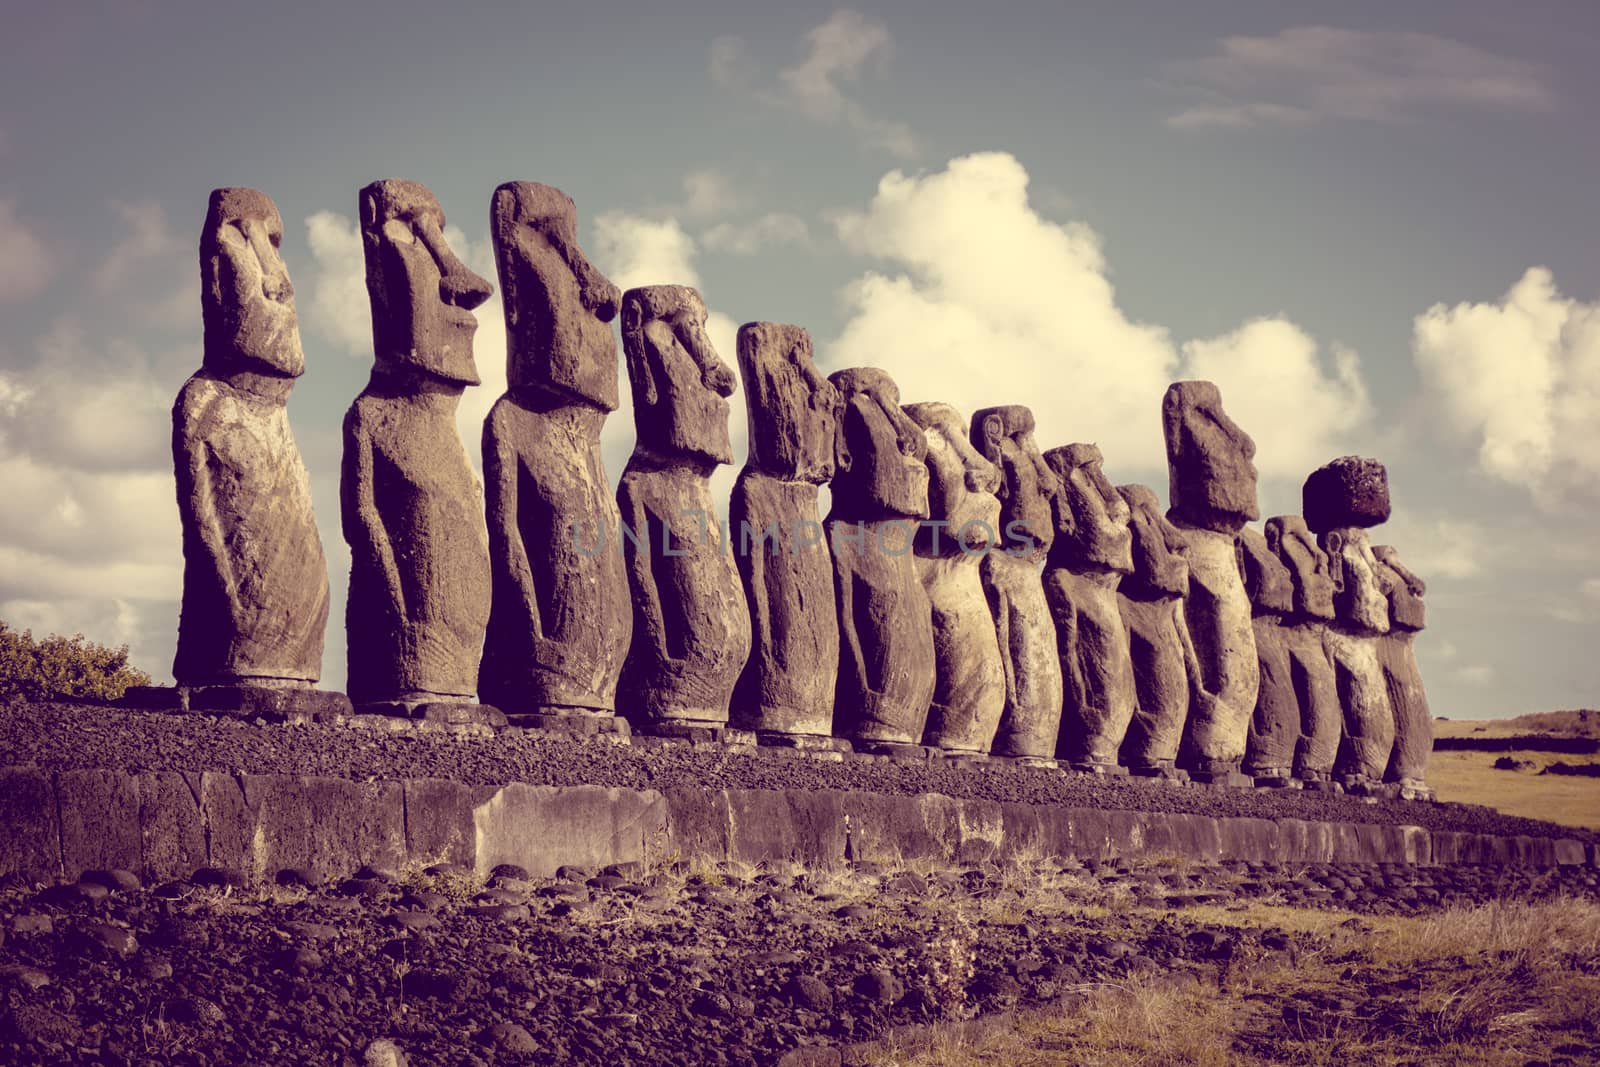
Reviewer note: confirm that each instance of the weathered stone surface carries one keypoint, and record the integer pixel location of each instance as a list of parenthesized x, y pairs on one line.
[(1212, 481), (99, 820), (439, 825), (691, 625), (787, 686), (1151, 604), (1413, 724), (1275, 725), (1352, 640), (255, 582), (561, 615), (1349, 491), (1092, 551), (541, 827), (30, 824), (412, 507), (1304, 632), (328, 826), (1031, 723), (969, 693), (171, 830), (880, 491), (274, 704)]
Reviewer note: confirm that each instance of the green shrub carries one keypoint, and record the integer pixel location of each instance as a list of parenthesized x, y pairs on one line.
[(60, 668)]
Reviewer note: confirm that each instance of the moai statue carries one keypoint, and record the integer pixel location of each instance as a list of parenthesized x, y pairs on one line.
[(969, 694), (1275, 726), (412, 506), (1340, 500), (1092, 552), (691, 625), (1212, 490), (1413, 725), (1304, 630), (561, 614), (255, 582), (1151, 602), (1031, 723), (785, 693), (880, 494)]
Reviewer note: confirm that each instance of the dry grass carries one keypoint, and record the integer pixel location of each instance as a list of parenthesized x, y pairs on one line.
[(1471, 778)]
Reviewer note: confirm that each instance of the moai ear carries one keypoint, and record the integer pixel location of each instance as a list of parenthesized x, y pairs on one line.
[(1239, 561), (1335, 548), (841, 444), (633, 325)]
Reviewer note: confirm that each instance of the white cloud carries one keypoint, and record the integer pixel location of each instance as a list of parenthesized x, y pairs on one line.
[(28, 263), (1436, 546), (1309, 72), (709, 193), (1478, 674), (1521, 378), (634, 250), (147, 239), (338, 309), (729, 64), (775, 228)]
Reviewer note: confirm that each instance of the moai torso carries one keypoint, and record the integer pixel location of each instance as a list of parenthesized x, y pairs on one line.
[(561, 613), (963, 525), (1092, 551), (787, 686), (691, 625), (1304, 631), (1151, 602), (1212, 490), (880, 494), (412, 507), (1413, 723), (1275, 726), (255, 582)]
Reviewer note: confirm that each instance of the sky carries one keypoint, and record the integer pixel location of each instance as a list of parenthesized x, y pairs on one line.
[(1372, 224)]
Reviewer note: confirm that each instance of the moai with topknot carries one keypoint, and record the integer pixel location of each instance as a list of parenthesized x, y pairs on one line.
[(1304, 630), (1275, 725), (1413, 724), (691, 625), (1151, 603)]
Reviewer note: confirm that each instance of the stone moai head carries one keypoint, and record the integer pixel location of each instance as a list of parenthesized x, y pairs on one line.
[(1211, 479), (1340, 500), (246, 301), (1403, 588), (1288, 536), (1091, 518), (1004, 436), (1158, 563), (961, 485), (878, 451), (680, 384), (1266, 576), (422, 295), (558, 306), (793, 409)]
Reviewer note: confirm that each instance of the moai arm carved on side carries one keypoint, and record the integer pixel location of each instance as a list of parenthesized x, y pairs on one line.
[(1305, 629), (1413, 722), (1151, 602), (1275, 725)]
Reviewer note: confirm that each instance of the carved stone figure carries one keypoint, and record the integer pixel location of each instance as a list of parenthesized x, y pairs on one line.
[(1275, 726), (1305, 631), (1151, 602), (561, 614), (1011, 579), (691, 626), (963, 525), (255, 583), (787, 687), (412, 507), (880, 492), (1092, 551), (1212, 489), (1413, 725)]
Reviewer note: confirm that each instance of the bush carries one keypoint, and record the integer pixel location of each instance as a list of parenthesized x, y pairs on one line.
[(60, 668)]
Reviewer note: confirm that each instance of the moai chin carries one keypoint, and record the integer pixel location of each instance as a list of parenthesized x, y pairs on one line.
[(1150, 600), (1024, 627), (786, 691), (561, 615), (255, 582), (963, 525), (1413, 724), (1305, 631), (1212, 490), (691, 625), (412, 507), (1275, 725), (880, 494), (1091, 553)]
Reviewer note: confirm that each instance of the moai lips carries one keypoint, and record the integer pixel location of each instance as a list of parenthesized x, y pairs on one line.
[(1413, 724), (1275, 726), (1150, 600), (1305, 631)]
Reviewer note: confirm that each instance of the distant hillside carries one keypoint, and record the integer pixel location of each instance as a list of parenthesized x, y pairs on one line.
[(1583, 722)]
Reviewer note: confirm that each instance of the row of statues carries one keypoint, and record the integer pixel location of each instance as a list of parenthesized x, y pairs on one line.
[(966, 591)]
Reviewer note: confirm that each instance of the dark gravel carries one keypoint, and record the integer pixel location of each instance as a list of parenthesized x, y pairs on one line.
[(78, 736)]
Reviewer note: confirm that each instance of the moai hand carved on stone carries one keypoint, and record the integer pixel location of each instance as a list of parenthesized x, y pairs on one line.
[(412, 507), (1339, 500), (691, 625), (1151, 602), (787, 687), (880, 492), (1212, 489), (963, 525), (1092, 551), (561, 613), (1413, 724), (1305, 631), (255, 582), (1275, 726), (1026, 631)]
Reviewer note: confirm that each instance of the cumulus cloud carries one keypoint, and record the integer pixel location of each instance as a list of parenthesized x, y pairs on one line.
[(774, 229), (1476, 674), (338, 308), (147, 239), (1306, 73), (709, 193), (28, 262), (1521, 378), (1438, 546)]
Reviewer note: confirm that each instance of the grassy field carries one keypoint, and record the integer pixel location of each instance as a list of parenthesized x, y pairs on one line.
[(1471, 777)]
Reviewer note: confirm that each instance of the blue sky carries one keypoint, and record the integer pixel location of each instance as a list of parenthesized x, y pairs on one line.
[(1371, 224)]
